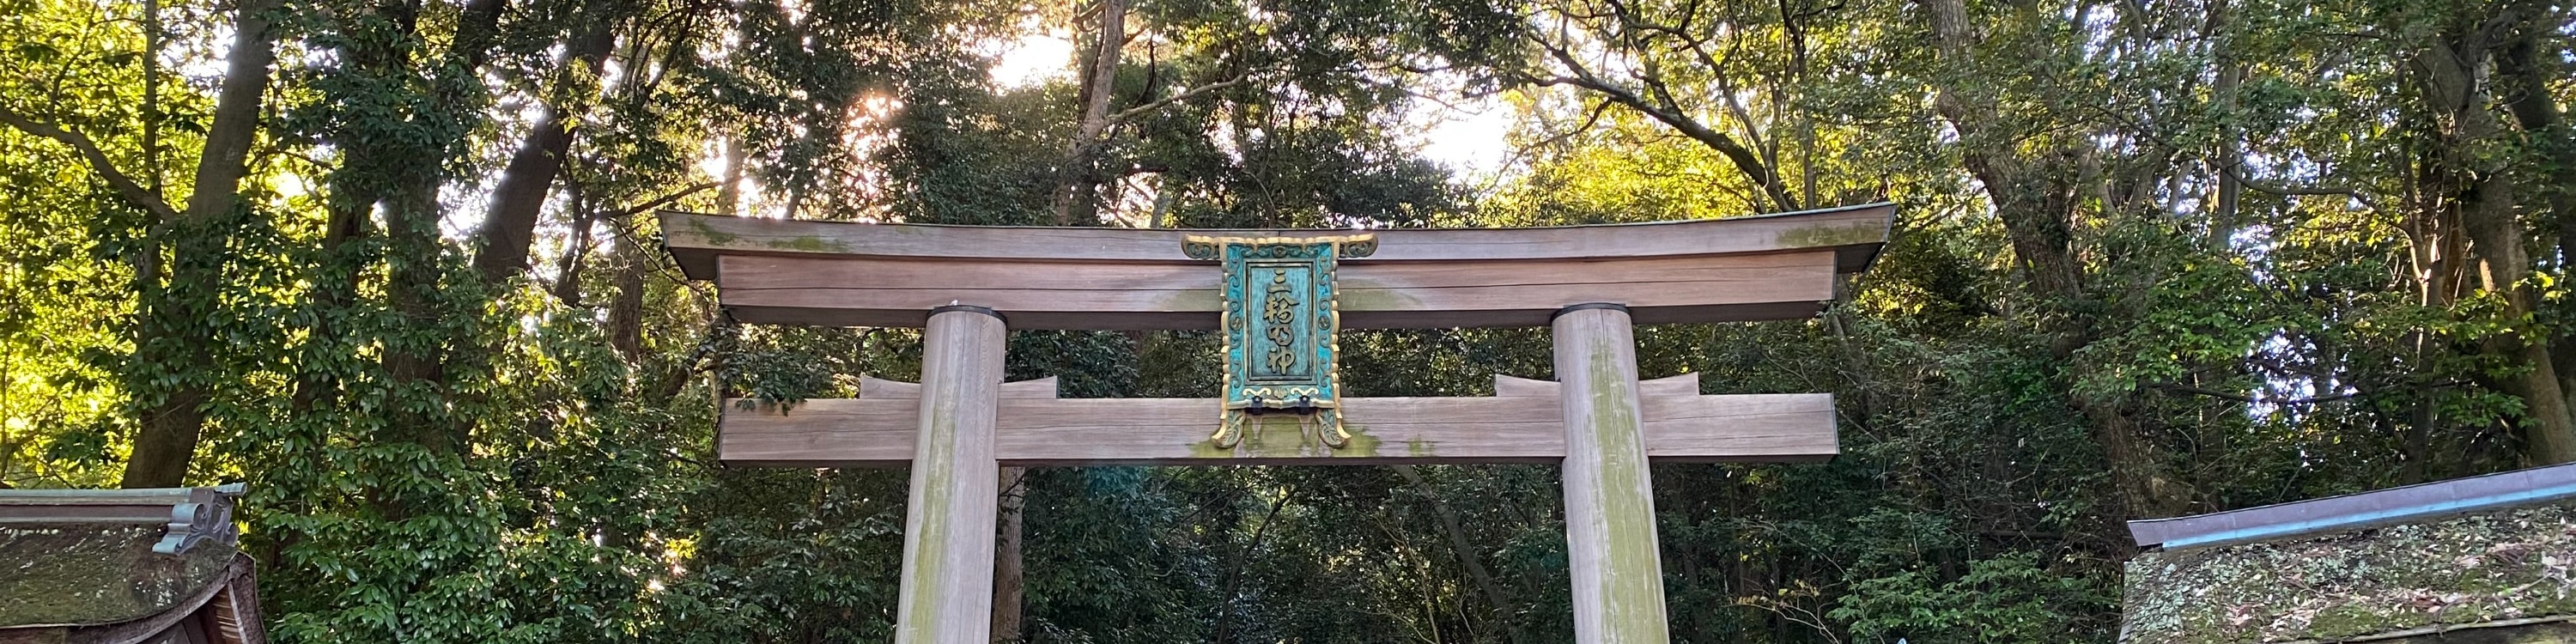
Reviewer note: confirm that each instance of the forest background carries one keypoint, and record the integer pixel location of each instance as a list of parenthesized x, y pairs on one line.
[(392, 262)]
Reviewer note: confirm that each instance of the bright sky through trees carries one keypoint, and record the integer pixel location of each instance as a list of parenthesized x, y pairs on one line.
[(1469, 135)]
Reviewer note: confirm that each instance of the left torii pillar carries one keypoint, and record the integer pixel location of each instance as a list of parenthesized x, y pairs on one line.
[(947, 595)]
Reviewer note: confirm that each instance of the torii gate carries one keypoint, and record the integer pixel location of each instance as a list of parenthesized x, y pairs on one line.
[(965, 284)]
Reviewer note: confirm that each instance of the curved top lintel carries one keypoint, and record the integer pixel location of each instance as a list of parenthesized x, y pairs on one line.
[(1855, 233)]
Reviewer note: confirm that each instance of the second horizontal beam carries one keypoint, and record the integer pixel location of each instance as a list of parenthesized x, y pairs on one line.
[(1679, 427)]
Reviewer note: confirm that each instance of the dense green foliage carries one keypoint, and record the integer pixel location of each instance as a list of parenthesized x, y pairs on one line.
[(2152, 258)]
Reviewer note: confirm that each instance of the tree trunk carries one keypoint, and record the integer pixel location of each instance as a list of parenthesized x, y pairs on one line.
[(393, 167), (729, 191), (170, 338), (1008, 572), (2478, 187), (2231, 147), (416, 359), (152, 110), (2548, 432), (519, 197), (567, 286), (2526, 66), (2037, 199), (1231, 588), (626, 313), (1465, 551), (1077, 186)]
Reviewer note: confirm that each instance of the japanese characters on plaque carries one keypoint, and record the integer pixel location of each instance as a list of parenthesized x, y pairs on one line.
[(1281, 321)]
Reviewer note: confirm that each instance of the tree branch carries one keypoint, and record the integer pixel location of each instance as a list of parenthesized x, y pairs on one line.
[(1463, 548), (665, 200), (126, 188), (2251, 400), (1123, 115), (2235, 169), (1668, 111)]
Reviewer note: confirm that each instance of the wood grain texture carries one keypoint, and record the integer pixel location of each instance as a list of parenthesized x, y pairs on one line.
[(1854, 233), (1610, 543), (877, 291), (1740, 428), (880, 388), (947, 588), (1189, 321), (1173, 431), (1685, 385)]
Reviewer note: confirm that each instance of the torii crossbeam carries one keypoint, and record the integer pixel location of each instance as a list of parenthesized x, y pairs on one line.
[(964, 285)]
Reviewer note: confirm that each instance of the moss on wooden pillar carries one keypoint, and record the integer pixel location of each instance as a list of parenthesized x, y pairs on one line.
[(1609, 497), (947, 595)]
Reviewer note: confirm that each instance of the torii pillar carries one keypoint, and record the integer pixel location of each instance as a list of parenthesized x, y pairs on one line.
[(1609, 496), (948, 525)]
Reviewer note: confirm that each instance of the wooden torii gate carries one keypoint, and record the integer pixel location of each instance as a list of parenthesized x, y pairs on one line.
[(964, 285)]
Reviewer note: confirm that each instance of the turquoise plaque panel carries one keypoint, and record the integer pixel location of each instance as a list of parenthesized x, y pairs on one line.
[(1281, 321)]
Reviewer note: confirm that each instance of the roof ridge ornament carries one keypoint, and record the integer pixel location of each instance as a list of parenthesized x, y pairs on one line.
[(207, 515)]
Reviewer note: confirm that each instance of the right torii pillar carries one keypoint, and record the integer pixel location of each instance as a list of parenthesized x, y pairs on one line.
[(1609, 495)]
